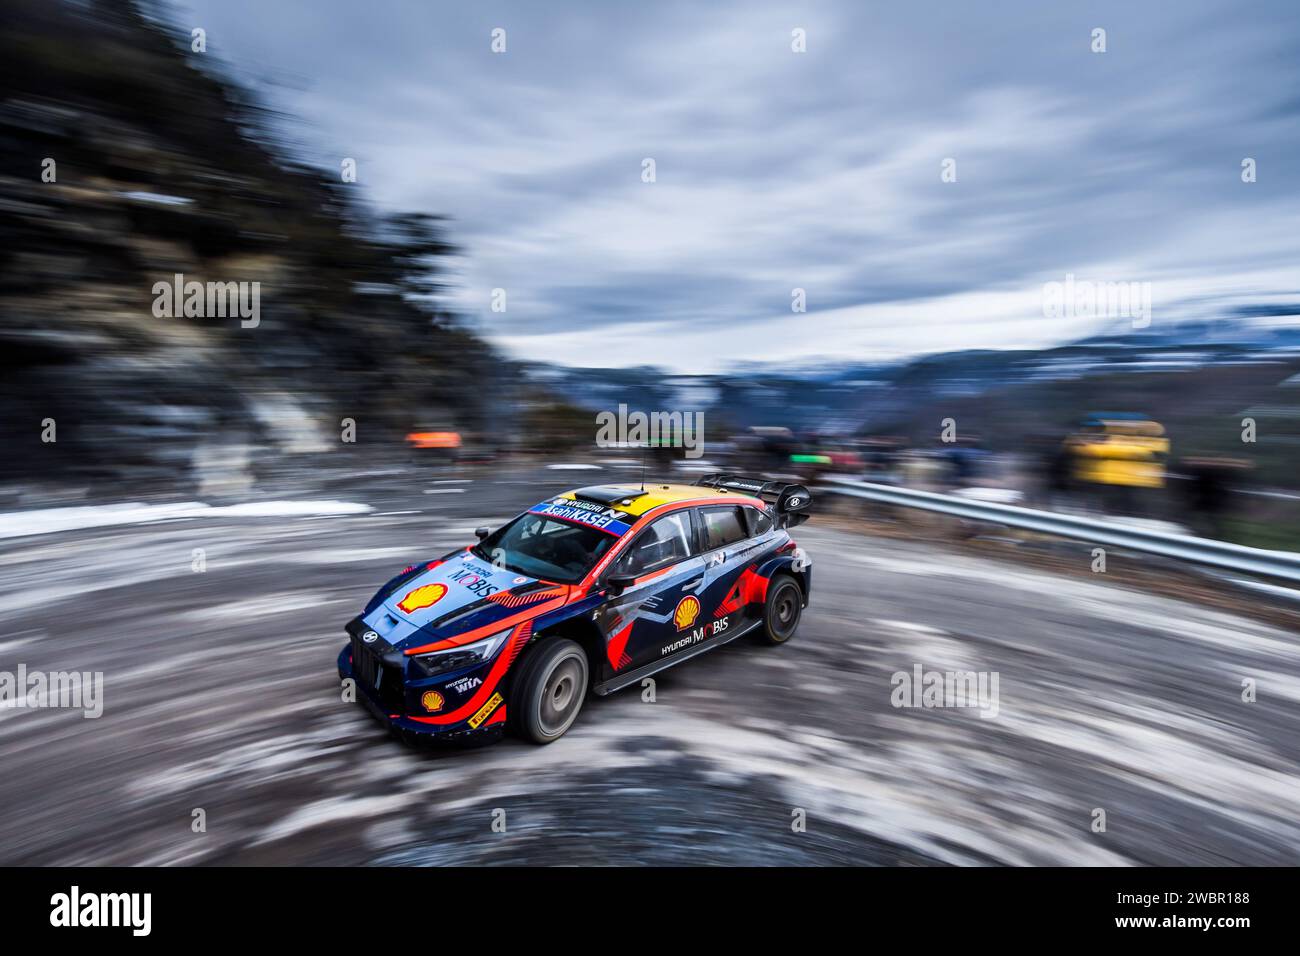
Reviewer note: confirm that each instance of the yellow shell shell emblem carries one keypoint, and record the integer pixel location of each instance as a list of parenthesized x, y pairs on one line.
[(431, 701), (688, 609), (424, 596)]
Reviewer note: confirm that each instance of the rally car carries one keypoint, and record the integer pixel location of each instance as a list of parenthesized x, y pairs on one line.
[(590, 591)]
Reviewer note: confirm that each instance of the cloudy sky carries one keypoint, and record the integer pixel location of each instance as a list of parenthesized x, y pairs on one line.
[(821, 170)]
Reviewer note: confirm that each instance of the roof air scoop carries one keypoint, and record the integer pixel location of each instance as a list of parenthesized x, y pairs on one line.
[(607, 494)]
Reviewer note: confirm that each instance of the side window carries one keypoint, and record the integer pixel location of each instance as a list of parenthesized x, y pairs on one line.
[(665, 541), (722, 526), (760, 522)]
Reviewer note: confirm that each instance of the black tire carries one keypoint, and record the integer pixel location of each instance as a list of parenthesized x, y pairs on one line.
[(549, 692), (782, 610)]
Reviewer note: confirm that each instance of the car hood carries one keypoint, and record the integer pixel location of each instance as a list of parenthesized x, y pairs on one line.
[(456, 596)]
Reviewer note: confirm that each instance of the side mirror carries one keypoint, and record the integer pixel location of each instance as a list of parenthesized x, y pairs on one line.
[(482, 533), (618, 583)]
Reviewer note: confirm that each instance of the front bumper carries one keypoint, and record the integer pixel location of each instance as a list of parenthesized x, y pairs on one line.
[(461, 706), (406, 724)]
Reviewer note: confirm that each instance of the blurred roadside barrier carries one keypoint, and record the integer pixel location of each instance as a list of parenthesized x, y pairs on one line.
[(1283, 565)]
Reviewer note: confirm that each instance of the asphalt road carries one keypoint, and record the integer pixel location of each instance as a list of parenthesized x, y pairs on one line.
[(221, 695)]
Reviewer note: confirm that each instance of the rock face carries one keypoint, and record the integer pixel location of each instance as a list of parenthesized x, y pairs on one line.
[(127, 162)]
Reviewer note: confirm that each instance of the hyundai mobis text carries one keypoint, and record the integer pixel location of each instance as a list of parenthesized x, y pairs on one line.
[(589, 591)]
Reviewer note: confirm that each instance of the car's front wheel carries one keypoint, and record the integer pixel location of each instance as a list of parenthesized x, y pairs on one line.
[(782, 610), (550, 690)]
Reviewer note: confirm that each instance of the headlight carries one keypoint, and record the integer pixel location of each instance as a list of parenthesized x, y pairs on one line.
[(458, 658)]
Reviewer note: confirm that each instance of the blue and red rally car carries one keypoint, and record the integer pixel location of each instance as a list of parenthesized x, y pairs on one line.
[(589, 591)]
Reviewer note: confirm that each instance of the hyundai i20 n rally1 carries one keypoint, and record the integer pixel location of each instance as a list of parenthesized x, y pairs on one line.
[(587, 592)]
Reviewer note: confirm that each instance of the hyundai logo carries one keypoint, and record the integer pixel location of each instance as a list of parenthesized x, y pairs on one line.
[(794, 501), (369, 637)]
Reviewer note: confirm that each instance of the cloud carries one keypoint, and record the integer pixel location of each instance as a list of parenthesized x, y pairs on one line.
[(821, 170)]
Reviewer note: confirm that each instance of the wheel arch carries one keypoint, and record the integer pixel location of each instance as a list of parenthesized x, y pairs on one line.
[(784, 564), (575, 623)]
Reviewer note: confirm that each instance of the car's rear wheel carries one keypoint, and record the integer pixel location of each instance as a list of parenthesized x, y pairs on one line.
[(782, 610), (550, 690)]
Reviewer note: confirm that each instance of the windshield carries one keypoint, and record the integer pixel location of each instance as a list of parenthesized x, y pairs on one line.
[(546, 548)]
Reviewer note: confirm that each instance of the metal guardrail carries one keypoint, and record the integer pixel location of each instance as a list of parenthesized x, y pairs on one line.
[(1284, 565)]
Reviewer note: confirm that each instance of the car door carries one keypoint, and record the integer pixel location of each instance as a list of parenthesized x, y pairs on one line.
[(651, 618), (728, 545)]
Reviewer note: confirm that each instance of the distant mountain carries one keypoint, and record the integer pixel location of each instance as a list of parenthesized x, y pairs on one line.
[(1258, 326), (1196, 377)]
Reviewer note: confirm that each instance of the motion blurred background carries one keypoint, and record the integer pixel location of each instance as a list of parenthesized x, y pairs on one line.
[(225, 165), (501, 270)]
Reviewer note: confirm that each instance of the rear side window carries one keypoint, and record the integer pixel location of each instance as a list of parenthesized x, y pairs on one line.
[(722, 526), (665, 541), (760, 522)]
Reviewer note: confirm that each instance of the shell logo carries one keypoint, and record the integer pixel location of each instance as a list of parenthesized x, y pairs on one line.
[(431, 701), (424, 596), (688, 609)]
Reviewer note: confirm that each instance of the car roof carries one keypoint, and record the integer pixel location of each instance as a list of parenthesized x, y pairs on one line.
[(638, 502)]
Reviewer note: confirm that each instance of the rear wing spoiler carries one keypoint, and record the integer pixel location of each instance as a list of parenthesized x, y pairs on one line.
[(791, 502)]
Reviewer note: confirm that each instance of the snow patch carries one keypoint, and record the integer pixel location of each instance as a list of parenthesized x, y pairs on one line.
[(53, 520)]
